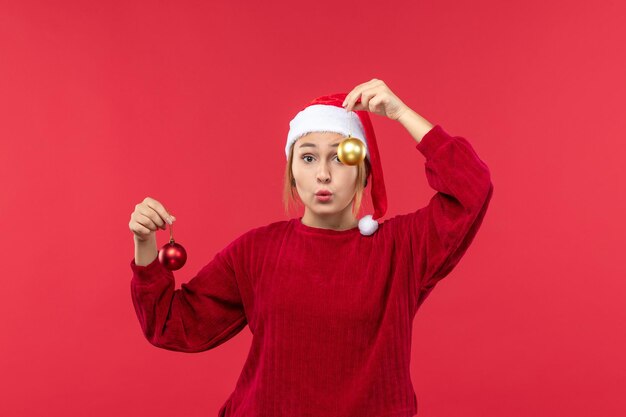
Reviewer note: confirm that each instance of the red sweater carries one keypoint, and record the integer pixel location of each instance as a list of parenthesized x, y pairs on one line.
[(331, 312)]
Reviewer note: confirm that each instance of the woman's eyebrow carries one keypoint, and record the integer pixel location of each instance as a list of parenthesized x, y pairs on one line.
[(312, 145)]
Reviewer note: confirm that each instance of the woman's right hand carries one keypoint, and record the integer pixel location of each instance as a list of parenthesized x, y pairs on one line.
[(149, 215)]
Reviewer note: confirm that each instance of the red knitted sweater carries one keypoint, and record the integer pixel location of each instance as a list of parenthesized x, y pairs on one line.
[(331, 312)]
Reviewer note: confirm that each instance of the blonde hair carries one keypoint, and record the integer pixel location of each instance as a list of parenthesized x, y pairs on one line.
[(291, 199)]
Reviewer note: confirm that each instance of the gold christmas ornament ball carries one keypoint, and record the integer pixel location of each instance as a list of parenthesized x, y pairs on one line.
[(351, 151)]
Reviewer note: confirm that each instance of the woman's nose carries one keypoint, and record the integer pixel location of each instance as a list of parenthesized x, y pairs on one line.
[(323, 177), (323, 174)]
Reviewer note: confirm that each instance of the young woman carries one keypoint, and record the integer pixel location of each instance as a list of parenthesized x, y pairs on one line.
[(330, 299)]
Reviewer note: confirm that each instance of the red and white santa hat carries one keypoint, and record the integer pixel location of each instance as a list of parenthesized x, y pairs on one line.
[(325, 114)]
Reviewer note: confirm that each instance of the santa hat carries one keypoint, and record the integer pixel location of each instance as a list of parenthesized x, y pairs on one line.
[(326, 114)]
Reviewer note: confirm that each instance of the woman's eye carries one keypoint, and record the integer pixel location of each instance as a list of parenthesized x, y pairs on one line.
[(309, 156)]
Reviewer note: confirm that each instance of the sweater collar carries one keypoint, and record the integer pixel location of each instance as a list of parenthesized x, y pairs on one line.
[(320, 231)]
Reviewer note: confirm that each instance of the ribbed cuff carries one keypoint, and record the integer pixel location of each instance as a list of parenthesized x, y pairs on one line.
[(432, 141), (148, 272)]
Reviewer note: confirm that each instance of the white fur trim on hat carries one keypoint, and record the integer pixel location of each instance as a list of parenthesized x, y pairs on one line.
[(367, 225), (324, 117)]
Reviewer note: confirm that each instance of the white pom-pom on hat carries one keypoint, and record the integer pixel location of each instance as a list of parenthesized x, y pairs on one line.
[(367, 225)]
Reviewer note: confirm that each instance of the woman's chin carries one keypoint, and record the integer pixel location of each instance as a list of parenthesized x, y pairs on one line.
[(322, 208)]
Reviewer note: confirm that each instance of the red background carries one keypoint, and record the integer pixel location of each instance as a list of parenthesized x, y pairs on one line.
[(105, 103)]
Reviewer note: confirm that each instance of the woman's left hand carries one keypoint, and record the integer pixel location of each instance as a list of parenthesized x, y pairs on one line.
[(377, 98)]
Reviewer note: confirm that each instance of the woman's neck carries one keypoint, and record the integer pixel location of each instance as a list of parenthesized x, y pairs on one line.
[(333, 221)]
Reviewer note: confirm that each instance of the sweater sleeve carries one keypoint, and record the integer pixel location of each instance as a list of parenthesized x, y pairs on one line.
[(202, 314), (438, 235)]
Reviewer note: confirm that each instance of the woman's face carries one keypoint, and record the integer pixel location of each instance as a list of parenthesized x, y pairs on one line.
[(316, 166)]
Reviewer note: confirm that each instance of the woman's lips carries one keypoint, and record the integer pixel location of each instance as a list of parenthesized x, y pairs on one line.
[(323, 197)]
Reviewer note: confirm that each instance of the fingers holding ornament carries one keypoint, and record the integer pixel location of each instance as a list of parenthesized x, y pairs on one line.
[(149, 216), (376, 97)]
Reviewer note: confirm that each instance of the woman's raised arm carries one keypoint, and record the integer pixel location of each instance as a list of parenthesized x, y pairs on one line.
[(439, 234)]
